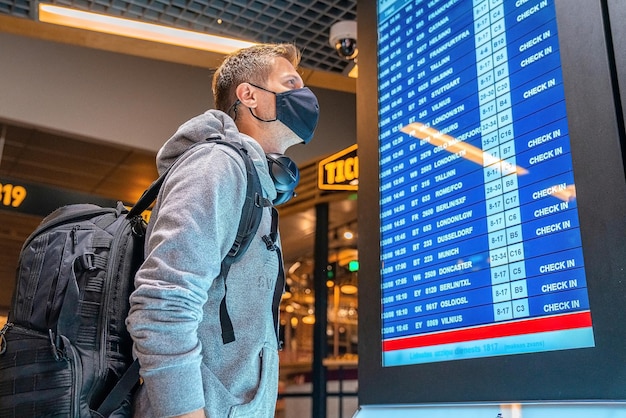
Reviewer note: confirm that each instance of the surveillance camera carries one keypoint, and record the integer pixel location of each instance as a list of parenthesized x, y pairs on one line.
[(343, 39)]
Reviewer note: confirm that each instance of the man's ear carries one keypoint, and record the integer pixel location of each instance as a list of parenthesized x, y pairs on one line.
[(246, 95)]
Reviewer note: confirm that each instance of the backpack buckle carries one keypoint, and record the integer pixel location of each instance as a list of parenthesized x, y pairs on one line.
[(270, 243), (87, 261)]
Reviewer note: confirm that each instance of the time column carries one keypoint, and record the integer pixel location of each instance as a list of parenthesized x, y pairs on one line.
[(506, 251)]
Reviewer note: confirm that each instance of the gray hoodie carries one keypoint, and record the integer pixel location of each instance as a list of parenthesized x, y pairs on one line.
[(174, 315)]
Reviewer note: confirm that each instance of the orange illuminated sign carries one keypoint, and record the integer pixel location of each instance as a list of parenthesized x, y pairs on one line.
[(340, 171)]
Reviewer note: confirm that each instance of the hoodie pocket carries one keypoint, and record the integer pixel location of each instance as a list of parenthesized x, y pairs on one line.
[(264, 402)]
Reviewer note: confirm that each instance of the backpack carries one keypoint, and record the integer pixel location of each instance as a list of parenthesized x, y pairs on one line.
[(65, 344)]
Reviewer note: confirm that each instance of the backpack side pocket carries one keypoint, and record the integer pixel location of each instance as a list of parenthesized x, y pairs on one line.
[(36, 377)]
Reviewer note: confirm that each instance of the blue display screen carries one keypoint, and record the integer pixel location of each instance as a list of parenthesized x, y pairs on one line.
[(481, 252)]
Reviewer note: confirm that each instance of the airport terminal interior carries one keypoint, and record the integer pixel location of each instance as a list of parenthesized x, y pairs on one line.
[(49, 157), (455, 243)]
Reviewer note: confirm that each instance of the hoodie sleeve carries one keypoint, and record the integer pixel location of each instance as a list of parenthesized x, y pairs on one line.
[(193, 229)]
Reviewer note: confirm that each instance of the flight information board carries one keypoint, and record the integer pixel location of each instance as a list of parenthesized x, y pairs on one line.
[(481, 251)]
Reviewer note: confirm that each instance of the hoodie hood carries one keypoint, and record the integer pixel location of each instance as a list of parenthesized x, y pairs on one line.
[(214, 124)]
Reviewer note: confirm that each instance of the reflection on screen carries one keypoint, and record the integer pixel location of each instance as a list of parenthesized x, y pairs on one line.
[(480, 244)]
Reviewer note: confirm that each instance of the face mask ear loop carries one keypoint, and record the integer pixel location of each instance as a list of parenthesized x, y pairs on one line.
[(259, 119), (233, 108), (255, 116)]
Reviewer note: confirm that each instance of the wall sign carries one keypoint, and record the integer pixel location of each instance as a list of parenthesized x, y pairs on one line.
[(35, 199), (340, 171)]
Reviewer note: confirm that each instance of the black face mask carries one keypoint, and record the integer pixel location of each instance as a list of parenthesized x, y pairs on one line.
[(298, 109)]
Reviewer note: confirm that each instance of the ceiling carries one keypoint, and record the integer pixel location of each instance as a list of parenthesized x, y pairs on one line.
[(307, 24), (118, 172)]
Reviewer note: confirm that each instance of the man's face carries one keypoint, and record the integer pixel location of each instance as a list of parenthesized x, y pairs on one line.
[(282, 78)]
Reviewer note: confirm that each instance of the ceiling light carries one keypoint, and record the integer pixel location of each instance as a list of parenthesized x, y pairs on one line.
[(349, 286), (139, 30), (349, 289), (295, 266)]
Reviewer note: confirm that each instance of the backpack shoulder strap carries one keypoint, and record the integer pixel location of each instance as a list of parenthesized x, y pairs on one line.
[(251, 215), (122, 388), (248, 224), (252, 209)]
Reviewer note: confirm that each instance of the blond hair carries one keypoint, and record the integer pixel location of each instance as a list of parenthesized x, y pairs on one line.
[(253, 65)]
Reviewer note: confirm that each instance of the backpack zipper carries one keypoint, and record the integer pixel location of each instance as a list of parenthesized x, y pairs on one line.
[(74, 236), (80, 215), (3, 340), (111, 272)]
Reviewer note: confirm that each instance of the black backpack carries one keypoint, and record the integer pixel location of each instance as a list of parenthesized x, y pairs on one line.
[(65, 345)]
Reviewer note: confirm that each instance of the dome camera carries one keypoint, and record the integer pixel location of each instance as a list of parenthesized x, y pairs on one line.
[(343, 39)]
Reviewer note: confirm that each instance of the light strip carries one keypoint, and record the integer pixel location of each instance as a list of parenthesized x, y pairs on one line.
[(139, 30), (462, 149)]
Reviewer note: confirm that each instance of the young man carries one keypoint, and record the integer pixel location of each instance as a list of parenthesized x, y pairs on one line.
[(187, 370)]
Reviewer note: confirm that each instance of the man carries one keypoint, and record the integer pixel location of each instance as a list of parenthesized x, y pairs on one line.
[(187, 370)]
